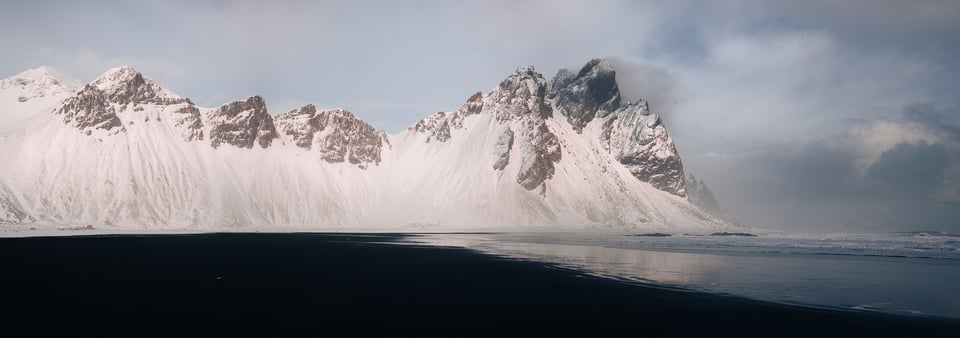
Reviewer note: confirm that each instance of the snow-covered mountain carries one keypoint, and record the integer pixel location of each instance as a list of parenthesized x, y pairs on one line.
[(122, 151)]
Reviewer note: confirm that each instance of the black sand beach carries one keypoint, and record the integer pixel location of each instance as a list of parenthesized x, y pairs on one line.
[(336, 284)]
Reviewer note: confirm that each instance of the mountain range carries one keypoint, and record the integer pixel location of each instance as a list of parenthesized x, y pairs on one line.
[(123, 152)]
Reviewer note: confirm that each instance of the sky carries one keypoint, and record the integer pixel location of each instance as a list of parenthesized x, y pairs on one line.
[(802, 116)]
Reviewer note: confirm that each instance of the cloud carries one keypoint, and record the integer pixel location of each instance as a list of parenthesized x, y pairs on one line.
[(883, 175), (870, 142), (911, 166), (660, 87)]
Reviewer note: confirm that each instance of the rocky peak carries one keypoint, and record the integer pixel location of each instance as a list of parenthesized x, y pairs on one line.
[(521, 99), (336, 133), (125, 85), (591, 92), (521, 94), (242, 124), (519, 102)]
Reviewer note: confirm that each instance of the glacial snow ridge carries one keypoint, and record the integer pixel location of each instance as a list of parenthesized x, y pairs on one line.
[(124, 152)]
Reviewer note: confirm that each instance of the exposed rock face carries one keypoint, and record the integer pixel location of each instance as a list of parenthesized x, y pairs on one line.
[(89, 110), (503, 147), (336, 133), (540, 153), (241, 124), (634, 136), (187, 119), (436, 126), (522, 99), (640, 142), (592, 92)]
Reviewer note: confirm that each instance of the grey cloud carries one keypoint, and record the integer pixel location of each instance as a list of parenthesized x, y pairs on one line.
[(911, 168), (818, 186), (662, 88)]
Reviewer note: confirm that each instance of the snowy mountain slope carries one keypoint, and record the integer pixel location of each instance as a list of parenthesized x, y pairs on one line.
[(34, 90), (117, 153), (123, 151), (10, 209)]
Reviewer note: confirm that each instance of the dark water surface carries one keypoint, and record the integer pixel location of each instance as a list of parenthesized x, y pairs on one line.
[(879, 272), (314, 284)]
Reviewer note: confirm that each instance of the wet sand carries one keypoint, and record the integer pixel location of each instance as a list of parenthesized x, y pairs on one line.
[(317, 284)]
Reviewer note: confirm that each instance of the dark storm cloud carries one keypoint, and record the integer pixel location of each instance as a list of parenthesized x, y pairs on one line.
[(886, 175), (911, 168)]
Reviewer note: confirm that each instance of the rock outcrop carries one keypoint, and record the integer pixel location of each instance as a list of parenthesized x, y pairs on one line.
[(242, 124), (337, 134), (89, 110)]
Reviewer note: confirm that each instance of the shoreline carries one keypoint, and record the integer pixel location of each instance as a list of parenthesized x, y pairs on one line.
[(308, 282)]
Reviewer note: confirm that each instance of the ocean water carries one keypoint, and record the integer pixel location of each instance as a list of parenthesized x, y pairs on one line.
[(904, 273)]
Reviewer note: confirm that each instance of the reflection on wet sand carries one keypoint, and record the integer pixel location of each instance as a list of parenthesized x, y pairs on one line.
[(661, 267), (675, 268), (890, 284)]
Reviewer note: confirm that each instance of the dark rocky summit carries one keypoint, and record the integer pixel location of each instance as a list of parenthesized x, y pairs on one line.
[(242, 124), (592, 92)]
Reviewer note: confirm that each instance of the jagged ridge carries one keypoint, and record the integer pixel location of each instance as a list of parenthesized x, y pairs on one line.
[(529, 151)]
